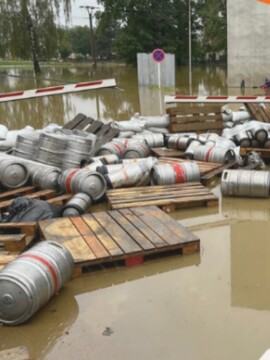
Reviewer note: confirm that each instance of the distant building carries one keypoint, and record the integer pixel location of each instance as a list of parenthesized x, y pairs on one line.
[(248, 42)]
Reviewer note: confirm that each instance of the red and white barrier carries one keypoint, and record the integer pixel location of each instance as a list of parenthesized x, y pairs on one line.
[(57, 90), (215, 99)]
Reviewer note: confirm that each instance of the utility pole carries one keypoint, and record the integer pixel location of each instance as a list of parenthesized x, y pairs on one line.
[(189, 47), (89, 10)]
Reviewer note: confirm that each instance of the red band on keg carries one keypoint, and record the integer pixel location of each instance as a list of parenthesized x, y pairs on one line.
[(208, 153), (118, 148), (179, 173), (69, 178), (49, 267)]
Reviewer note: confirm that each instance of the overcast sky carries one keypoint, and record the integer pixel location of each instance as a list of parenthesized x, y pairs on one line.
[(79, 17)]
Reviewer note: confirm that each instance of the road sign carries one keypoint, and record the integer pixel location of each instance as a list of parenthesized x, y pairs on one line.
[(158, 55)]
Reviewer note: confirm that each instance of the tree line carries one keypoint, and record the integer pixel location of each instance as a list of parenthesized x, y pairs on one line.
[(29, 30)]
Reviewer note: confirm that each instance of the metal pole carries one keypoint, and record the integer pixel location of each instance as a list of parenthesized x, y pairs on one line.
[(189, 47), (89, 9), (92, 39)]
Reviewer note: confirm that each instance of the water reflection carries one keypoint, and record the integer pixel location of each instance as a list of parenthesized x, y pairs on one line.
[(250, 265), (45, 328), (107, 104), (246, 209)]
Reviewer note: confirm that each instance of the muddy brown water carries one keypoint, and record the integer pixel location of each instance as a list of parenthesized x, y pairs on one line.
[(211, 305)]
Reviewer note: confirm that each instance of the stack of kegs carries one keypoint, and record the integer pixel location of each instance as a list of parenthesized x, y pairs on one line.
[(26, 146), (77, 149), (51, 149)]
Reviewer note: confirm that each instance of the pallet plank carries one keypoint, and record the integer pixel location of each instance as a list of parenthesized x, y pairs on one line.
[(123, 240), (106, 240), (126, 221), (13, 242), (64, 232), (95, 245), (151, 235)]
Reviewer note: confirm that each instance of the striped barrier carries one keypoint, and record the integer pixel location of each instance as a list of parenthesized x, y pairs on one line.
[(215, 99), (57, 90)]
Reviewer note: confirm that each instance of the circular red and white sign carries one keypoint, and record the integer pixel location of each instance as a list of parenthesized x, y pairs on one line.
[(158, 55)]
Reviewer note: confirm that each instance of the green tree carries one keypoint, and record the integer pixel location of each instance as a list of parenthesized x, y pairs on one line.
[(212, 25), (28, 27)]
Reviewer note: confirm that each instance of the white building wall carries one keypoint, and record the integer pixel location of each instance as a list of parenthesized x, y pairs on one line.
[(248, 42)]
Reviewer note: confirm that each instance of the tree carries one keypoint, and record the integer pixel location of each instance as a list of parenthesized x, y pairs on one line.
[(212, 23), (28, 27)]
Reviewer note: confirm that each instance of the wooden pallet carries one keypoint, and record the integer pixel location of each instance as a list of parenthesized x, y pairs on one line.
[(103, 132), (265, 153), (168, 197), (128, 235), (258, 112), (190, 118)]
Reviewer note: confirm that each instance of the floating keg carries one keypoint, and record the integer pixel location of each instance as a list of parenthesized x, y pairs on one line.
[(245, 183), (46, 178), (152, 140), (243, 139), (13, 173), (26, 146), (259, 133), (51, 149), (129, 175), (189, 153), (137, 150), (28, 282), (79, 204), (174, 173), (112, 147)]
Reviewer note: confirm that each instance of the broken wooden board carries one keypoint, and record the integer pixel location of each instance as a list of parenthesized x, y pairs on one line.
[(258, 112), (190, 118), (128, 235), (168, 197)]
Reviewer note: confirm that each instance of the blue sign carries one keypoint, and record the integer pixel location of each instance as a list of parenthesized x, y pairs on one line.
[(158, 55)]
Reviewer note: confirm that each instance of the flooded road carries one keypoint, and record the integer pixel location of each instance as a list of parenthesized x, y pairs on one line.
[(207, 306)]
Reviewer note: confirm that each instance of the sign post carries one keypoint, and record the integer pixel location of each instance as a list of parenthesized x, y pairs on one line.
[(158, 56)]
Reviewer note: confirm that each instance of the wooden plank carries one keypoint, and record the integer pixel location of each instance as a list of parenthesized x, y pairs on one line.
[(256, 112), (194, 109), (94, 127), (85, 123), (211, 119), (17, 353), (123, 240), (123, 219), (164, 152), (17, 192), (74, 122), (217, 171), (14, 242), (151, 235), (88, 235), (265, 153), (182, 232), (196, 127), (64, 232), (28, 228), (157, 220), (106, 240), (7, 258)]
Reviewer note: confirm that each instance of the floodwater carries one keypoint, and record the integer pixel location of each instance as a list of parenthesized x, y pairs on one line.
[(211, 305)]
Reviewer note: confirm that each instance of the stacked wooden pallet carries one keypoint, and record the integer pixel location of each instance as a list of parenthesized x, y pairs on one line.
[(258, 112), (190, 118)]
